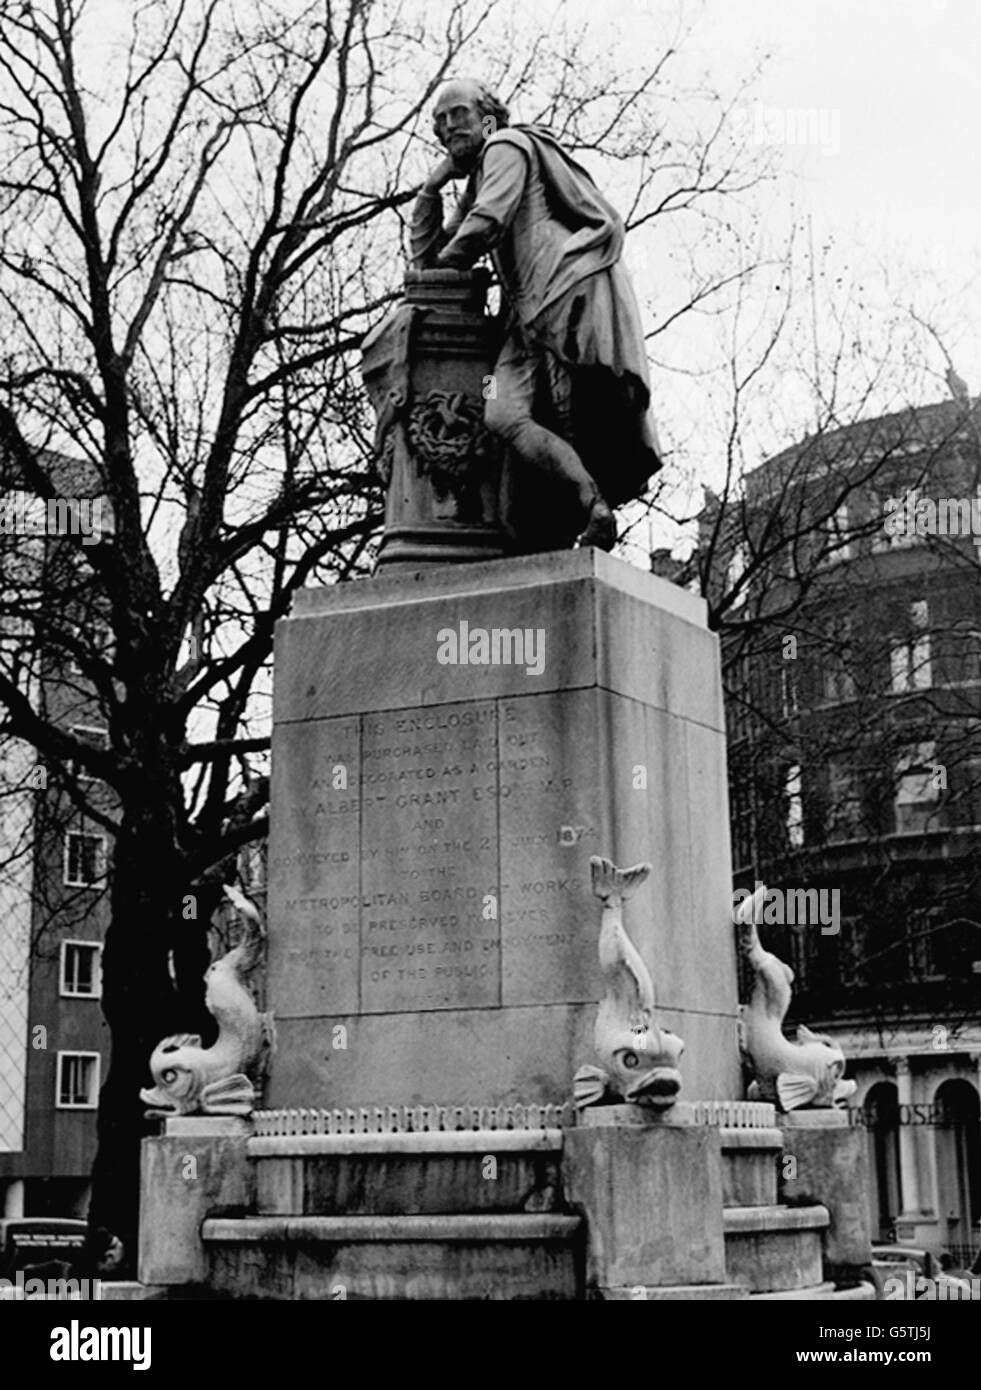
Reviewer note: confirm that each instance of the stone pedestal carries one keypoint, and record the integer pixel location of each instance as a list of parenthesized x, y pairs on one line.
[(825, 1159), (426, 368), (197, 1167), (651, 1192), (432, 934)]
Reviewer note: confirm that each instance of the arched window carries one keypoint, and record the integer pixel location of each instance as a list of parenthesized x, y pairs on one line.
[(958, 1151), (882, 1119)]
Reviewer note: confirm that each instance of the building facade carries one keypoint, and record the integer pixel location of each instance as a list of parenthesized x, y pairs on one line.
[(849, 575), (54, 861)]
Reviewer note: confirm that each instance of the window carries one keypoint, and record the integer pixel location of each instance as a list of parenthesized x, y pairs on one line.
[(909, 659), (917, 789), (795, 807), (788, 689), (95, 738), (837, 548), (844, 802), (81, 969), (837, 682), (901, 520), (85, 860), (78, 1080), (738, 564), (964, 804)]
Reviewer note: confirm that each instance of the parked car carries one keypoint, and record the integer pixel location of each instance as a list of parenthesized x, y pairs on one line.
[(36, 1240), (912, 1263)]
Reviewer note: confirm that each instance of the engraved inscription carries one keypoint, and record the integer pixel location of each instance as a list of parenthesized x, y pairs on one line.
[(429, 836), (548, 831), (314, 872)]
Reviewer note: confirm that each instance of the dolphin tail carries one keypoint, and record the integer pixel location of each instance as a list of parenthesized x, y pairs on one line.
[(178, 1040), (246, 954), (232, 1095), (608, 881), (259, 1069), (589, 1085), (746, 916)]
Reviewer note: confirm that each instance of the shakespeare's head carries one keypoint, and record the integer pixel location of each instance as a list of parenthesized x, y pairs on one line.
[(466, 113)]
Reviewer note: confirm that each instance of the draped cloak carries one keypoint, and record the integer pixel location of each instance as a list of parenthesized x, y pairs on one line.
[(556, 244)]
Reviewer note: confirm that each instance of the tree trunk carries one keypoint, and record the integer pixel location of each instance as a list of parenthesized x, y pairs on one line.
[(143, 1002)]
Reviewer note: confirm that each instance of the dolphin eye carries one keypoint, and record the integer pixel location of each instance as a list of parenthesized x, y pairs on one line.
[(631, 1060), (169, 1076)]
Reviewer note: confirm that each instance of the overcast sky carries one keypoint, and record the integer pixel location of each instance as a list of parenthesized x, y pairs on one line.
[(901, 77), (889, 173)]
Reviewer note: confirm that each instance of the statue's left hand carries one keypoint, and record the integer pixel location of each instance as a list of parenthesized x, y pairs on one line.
[(439, 177)]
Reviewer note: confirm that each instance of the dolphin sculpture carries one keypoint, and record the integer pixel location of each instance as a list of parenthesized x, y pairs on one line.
[(807, 1072), (191, 1079), (638, 1060)]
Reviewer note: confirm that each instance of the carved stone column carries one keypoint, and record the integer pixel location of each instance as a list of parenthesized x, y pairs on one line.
[(427, 370), (911, 1215), (907, 1148)]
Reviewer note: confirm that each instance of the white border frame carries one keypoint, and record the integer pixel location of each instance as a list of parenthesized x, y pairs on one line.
[(75, 883), (97, 1080), (96, 946)]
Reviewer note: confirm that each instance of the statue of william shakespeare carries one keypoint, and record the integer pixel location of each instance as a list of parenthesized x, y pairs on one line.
[(571, 393)]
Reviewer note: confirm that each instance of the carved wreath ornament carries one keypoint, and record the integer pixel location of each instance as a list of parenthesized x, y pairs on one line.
[(448, 438)]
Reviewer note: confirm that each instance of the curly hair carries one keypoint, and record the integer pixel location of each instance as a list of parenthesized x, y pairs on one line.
[(488, 104)]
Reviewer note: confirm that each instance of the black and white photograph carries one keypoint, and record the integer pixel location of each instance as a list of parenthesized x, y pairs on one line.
[(490, 667)]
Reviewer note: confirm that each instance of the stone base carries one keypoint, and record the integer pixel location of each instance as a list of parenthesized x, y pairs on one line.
[(643, 1293), (183, 1178), (207, 1126), (833, 1117), (477, 1171), (826, 1161), (749, 1166), (326, 1259), (774, 1248), (652, 1197), (822, 1293), (131, 1291), (643, 1116)]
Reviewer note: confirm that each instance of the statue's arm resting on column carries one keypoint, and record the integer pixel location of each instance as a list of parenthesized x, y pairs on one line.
[(428, 235), (503, 172)]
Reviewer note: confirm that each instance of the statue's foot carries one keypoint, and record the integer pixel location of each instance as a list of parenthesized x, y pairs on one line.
[(601, 529)]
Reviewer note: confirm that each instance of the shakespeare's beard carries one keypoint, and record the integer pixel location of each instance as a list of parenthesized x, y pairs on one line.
[(464, 151)]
